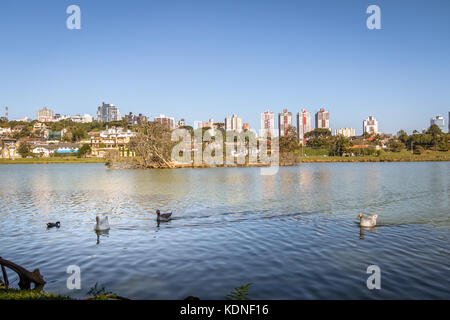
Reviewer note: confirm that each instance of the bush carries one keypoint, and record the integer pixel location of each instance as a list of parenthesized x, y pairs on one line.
[(443, 147), (418, 150)]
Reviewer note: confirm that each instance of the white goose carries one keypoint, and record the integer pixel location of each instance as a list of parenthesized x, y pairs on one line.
[(102, 223), (367, 222)]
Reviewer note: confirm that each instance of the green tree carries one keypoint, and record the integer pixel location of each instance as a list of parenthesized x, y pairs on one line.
[(418, 150), (318, 133), (402, 136), (84, 150), (24, 149), (435, 133), (289, 142), (339, 145), (78, 134), (395, 146)]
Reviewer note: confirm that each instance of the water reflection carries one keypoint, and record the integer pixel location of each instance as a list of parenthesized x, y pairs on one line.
[(101, 233), (362, 231), (292, 234)]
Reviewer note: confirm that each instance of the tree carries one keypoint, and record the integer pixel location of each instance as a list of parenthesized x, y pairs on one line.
[(339, 145), (402, 136), (418, 150), (318, 133), (78, 134), (289, 142), (153, 145), (24, 132), (24, 149), (395, 146), (366, 135), (84, 150), (435, 132)]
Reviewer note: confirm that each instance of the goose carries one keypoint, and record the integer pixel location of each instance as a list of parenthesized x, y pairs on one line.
[(53, 225), (102, 223), (367, 222), (164, 216)]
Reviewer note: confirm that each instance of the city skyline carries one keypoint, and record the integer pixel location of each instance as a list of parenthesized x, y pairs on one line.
[(322, 120), (215, 60)]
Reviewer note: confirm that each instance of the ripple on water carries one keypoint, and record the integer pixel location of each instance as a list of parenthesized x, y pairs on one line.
[(292, 235)]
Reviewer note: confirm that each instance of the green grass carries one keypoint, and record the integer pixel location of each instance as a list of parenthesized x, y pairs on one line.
[(403, 156), (52, 160), (15, 294)]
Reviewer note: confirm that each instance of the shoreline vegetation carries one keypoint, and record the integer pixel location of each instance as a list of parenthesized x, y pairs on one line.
[(155, 145), (297, 160), (52, 160), (291, 159)]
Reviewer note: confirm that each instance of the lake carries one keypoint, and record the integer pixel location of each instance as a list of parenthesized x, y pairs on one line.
[(293, 235)]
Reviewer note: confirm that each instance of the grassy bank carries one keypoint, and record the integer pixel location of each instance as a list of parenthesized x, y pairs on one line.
[(52, 160), (403, 156), (15, 294), (286, 159)]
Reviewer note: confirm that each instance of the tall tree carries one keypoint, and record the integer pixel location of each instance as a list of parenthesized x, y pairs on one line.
[(153, 145)]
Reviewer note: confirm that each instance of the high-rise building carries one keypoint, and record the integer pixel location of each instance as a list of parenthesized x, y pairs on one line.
[(233, 123), (284, 122), (267, 123), (370, 126), (346, 132), (303, 124), (168, 121), (44, 115), (439, 121), (108, 112), (322, 119)]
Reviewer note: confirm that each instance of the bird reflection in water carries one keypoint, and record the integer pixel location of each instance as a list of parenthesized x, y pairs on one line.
[(363, 229), (101, 233)]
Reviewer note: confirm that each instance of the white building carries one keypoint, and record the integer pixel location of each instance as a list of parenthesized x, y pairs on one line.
[(117, 133), (81, 119), (44, 150), (322, 119), (303, 124), (284, 122), (370, 126), (233, 123), (108, 112), (346, 132), (439, 121), (267, 123), (44, 115)]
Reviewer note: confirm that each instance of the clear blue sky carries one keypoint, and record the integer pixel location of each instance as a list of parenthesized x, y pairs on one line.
[(202, 59)]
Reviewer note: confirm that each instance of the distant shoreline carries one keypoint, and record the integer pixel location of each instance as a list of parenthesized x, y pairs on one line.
[(310, 159), (52, 161)]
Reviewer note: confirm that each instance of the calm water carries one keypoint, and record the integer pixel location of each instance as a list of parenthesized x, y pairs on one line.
[(293, 235)]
